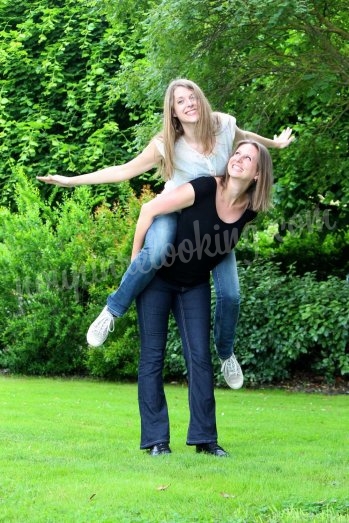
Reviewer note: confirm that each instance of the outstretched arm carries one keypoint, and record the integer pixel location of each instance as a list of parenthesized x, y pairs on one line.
[(145, 161), (280, 142), (165, 203)]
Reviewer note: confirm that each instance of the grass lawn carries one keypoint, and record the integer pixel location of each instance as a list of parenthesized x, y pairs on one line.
[(69, 452)]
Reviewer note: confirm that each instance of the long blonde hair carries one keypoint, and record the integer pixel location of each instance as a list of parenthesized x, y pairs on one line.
[(206, 127), (259, 191)]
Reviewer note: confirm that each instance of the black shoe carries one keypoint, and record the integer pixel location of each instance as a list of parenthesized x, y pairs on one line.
[(160, 448), (212, 448)]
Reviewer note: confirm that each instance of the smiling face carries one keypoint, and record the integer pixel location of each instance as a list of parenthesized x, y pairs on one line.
[(250, 169), (185, 105), (244, 163)]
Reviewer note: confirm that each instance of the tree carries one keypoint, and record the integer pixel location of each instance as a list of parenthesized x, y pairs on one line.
[(80, 80), (61, 108), (272, 63)]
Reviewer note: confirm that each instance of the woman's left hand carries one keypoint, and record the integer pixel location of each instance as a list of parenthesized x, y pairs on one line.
[(284, 139)]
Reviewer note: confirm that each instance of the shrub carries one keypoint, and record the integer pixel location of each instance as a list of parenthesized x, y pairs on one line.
[(118, 358), (288, 324), (57, 267), (291, 323), (314, 241)]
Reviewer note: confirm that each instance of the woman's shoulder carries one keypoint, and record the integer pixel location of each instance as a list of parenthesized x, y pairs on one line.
[(223, 120), (158, 138), (158, 141), (204, 184)]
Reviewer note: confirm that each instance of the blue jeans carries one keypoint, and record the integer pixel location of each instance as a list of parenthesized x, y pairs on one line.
[(191, 308), (143, 268), (226, 283)]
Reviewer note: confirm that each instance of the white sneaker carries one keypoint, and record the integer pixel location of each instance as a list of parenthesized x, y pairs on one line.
[(100, 328), (232, 372)]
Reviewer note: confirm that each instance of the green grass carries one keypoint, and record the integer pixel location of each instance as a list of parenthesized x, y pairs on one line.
[(69, 452)]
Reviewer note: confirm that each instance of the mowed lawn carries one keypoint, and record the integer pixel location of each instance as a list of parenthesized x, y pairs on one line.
[(69, 452)]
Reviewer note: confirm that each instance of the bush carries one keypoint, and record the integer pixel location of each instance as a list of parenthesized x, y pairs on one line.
[(314, 241), (290, 323), (57, 267)]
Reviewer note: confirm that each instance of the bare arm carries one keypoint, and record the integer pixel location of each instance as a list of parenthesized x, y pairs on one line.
[(165, 203), (280, 142), (145, 161)]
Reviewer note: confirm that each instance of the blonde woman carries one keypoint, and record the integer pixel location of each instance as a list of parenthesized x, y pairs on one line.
[(194, 142)]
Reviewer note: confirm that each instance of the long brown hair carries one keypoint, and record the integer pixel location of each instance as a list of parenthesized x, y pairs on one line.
[(206, 127), (259, 191)]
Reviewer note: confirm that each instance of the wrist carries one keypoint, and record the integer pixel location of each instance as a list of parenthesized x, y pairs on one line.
[(71, 181)]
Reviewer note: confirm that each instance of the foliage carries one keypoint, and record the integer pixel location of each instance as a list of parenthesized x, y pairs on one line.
[(118, 358), (60, 106), (81, 87), (290, 323), (56, 268), (58, 265), (82, 84), (310, 241), (274, 63)]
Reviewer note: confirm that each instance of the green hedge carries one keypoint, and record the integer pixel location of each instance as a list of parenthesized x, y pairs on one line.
[(58, 265), (291, 323)]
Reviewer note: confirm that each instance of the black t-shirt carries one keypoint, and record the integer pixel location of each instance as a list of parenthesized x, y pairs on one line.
[(202, 239)]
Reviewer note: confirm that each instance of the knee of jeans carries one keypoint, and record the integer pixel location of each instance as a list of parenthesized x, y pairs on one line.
[(156, 259), (227, 298), (157, 254)]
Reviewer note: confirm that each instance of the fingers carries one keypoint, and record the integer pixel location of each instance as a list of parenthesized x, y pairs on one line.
[(45, 179), (61, 181), (284, 135), (284, 138)]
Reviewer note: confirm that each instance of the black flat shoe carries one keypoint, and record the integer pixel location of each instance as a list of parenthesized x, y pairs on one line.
[(160, 448), (212, 448)]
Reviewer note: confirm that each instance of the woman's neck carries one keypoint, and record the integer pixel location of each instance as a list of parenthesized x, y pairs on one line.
[(191, 138), (231, 202), (189, 131), (190, 135), (235, 193)]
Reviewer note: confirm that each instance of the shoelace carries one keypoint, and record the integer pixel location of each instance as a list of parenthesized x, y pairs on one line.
[(231, 364), (106, 320)]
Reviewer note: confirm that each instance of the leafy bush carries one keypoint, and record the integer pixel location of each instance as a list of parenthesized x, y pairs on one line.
[(57, 267), (313, 241), (291, 323), (288, 324), (118, 358), (61, 107)]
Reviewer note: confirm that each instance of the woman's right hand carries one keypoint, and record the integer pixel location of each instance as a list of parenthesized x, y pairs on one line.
[(61, 181)]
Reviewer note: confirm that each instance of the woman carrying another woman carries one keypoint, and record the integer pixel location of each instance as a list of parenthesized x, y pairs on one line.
[(194, 142), (214, 212)]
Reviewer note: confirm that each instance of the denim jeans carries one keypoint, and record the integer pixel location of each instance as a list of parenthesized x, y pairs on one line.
[(226, 282), (142, 270), (191, 308)]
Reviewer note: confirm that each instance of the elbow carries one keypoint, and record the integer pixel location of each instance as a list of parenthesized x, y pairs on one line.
[(143, 212), (146, 211), (145, 215)]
